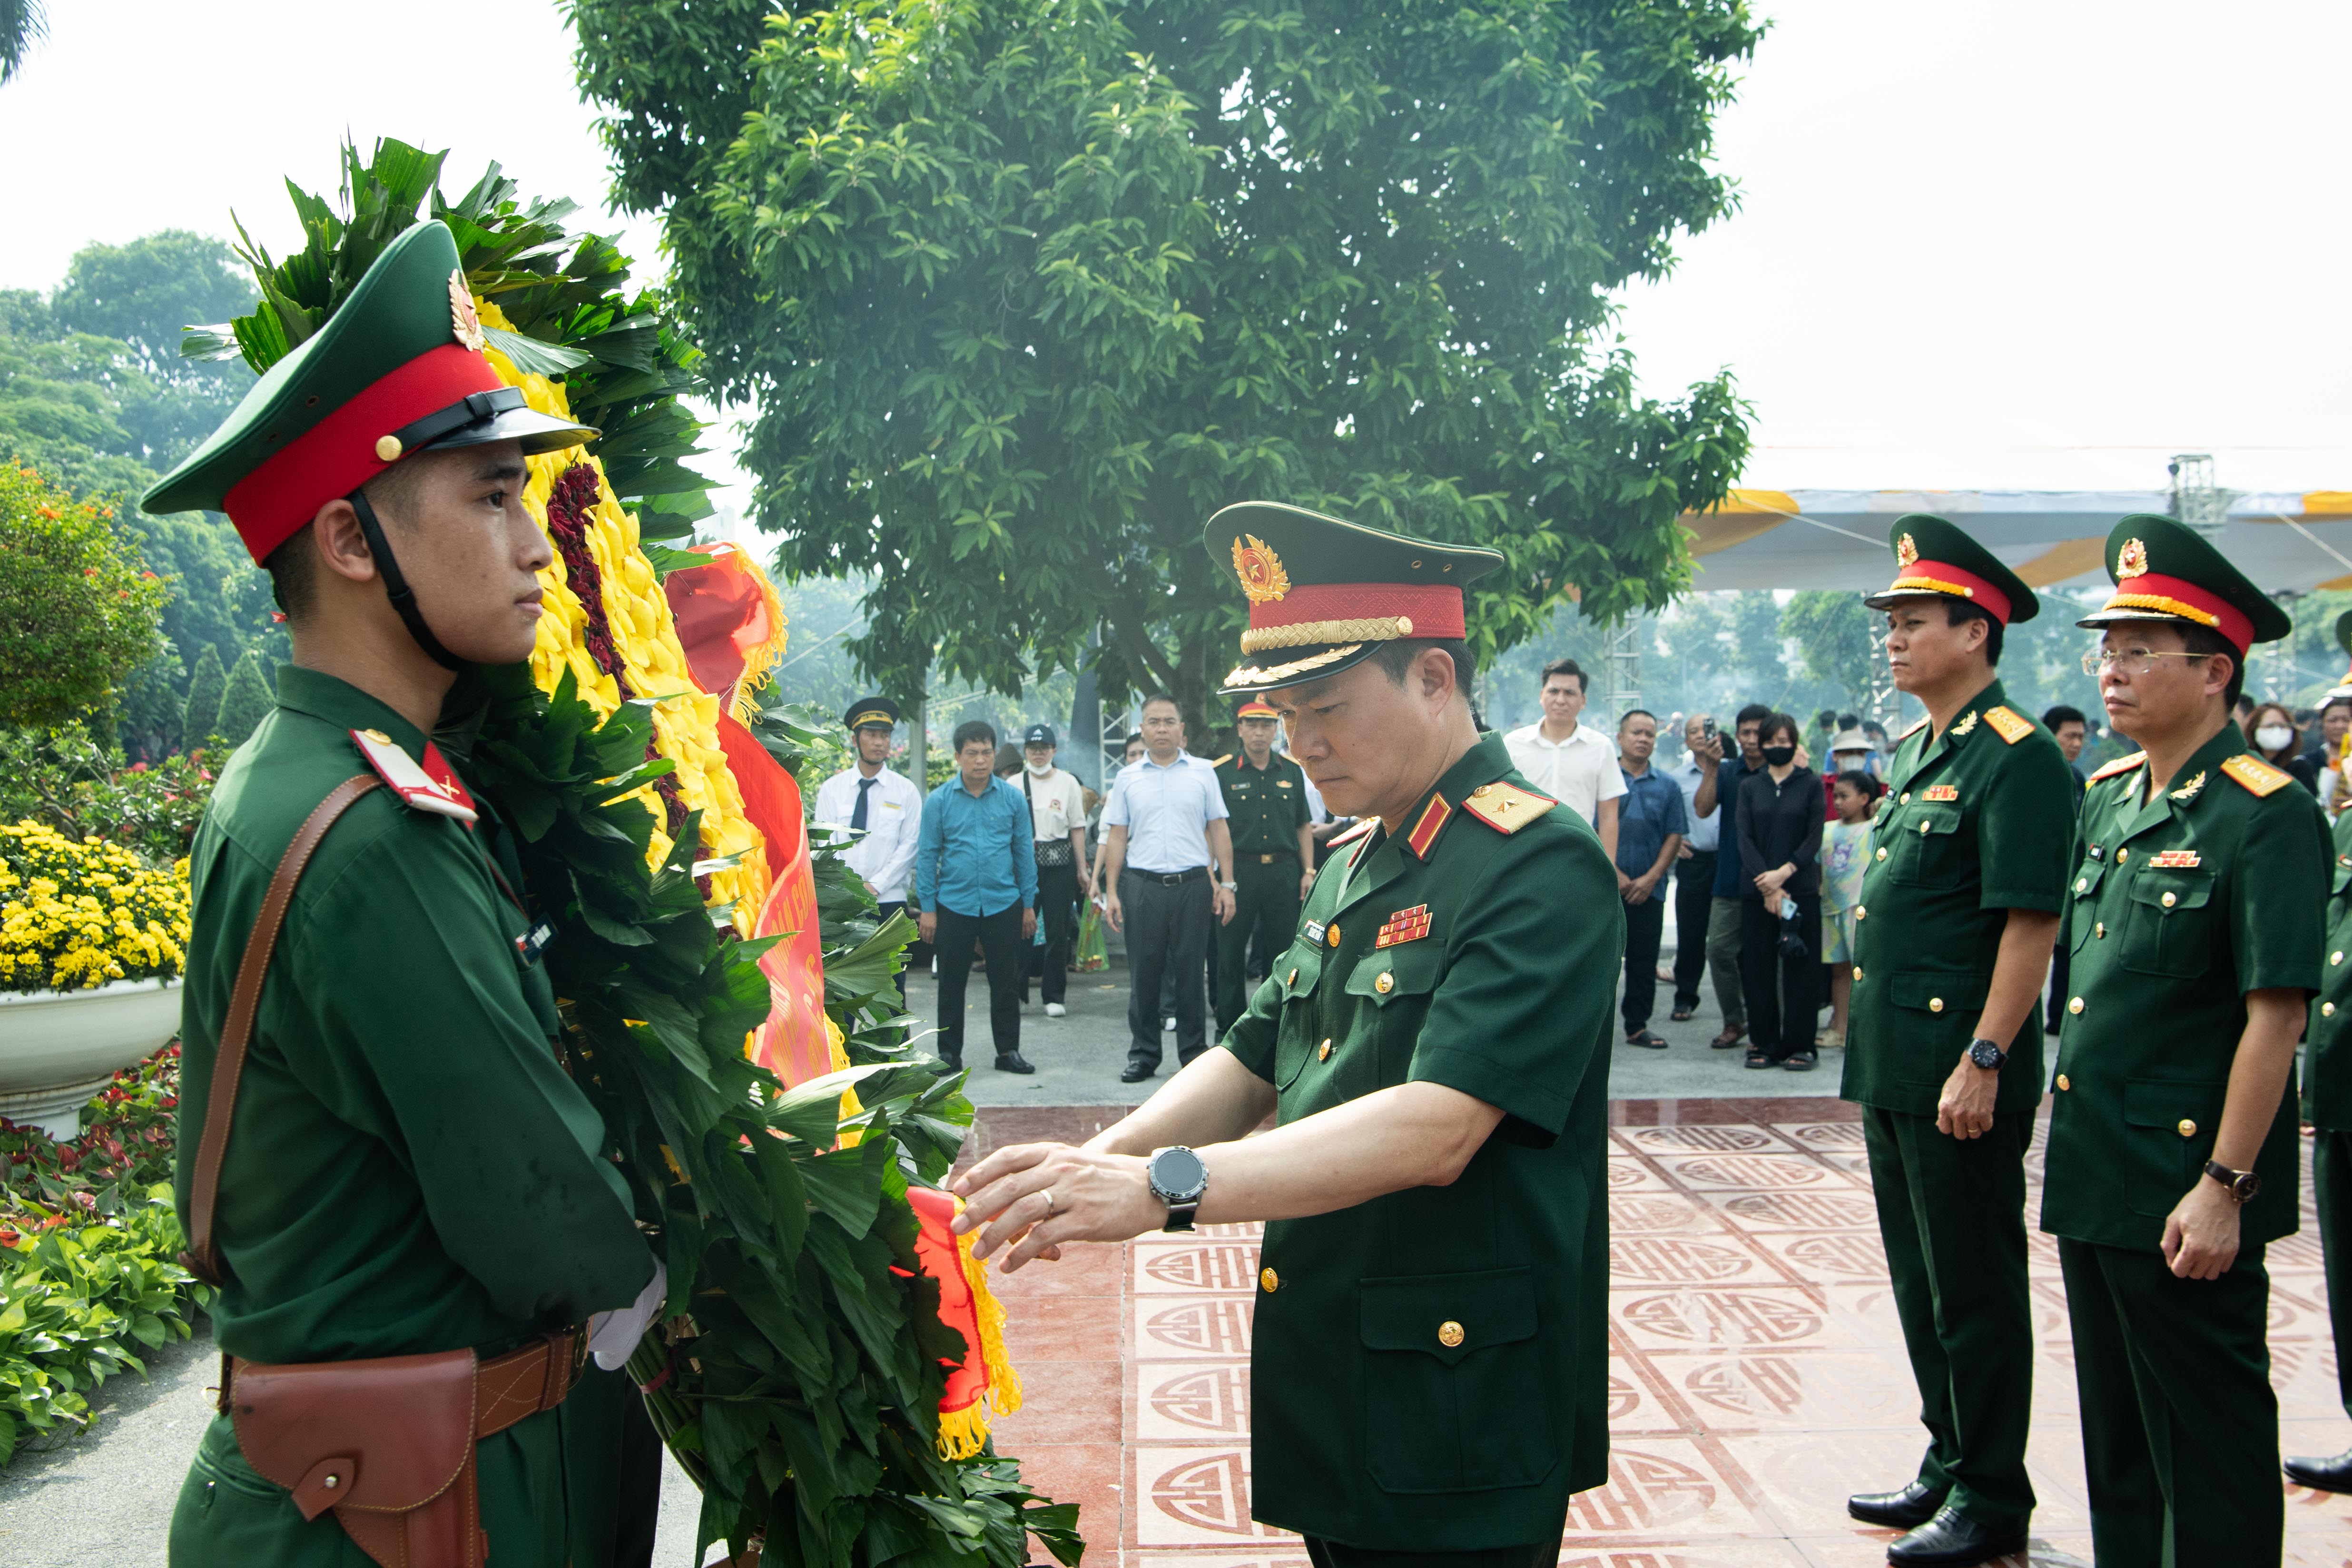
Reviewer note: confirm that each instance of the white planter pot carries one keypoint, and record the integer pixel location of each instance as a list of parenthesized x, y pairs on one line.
[(57, 1049)]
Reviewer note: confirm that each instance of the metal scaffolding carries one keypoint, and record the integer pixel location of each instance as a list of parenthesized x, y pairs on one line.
[(1620, 670)]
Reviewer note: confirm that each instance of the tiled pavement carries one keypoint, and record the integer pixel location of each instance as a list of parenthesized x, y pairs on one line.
[(1756, 1374)]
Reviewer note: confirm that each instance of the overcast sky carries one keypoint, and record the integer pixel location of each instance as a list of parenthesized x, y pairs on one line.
[(2010, 244)]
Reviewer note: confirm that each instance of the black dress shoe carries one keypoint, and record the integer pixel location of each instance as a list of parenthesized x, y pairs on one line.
[(1014, 1062), (1911, 1507), (1136, 1073), (955, 1060), (2331, 1473), (1952, 1540)]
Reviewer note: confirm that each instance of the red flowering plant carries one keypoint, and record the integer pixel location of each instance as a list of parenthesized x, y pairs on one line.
[(124, 1149)]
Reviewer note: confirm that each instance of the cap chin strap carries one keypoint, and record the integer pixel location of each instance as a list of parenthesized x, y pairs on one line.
[(395, 585)]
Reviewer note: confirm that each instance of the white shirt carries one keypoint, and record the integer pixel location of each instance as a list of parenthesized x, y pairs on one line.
[(1058, 804), (1166, 812), (1580, 772), (894, 818)]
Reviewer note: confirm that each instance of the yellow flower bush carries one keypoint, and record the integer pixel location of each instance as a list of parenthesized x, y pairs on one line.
[(644, 639), (77, 914)]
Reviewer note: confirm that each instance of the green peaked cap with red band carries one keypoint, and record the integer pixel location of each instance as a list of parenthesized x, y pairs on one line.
[(2167, 571), (1933, 555), (396, 370), (1324, 594)]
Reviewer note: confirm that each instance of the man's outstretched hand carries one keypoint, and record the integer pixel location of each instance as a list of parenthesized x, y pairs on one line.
[(1035, 1196)]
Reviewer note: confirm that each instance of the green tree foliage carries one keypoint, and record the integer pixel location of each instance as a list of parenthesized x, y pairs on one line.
[(1838, 640), (22, 24), (149, 707), (78, 607), (245, 701), (93, 390), (1023, 290), (207, 685)]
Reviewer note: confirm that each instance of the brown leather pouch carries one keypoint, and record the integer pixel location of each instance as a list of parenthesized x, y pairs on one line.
[(387, 1443)]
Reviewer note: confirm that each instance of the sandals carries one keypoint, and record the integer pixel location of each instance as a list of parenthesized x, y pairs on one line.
[(1803, 1061), (1683, 1014), (1728, 1038), (1647, 1040), (1756, 1058)]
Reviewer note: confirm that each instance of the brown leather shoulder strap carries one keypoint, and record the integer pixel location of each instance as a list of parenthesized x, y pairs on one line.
[(201, 1259)]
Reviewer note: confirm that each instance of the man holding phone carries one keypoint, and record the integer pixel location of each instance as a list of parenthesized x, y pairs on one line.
[(1698, 778)]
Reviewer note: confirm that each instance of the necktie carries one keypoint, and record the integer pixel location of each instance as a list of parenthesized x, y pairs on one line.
[(857, 817)]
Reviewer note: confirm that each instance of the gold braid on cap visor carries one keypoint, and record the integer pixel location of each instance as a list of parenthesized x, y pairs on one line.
[(1242, 675), (2170, 606), (1362, 629)]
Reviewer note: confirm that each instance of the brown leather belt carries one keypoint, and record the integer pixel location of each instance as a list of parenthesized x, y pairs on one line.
[(517, 1385)]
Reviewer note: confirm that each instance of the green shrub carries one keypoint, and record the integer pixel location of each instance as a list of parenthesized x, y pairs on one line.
[(78, 609), (67, 779), (245, 700)]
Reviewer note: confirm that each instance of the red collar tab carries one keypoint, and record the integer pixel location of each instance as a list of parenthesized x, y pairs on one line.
[(341, 453), (2178, 596), (1959, 582), (434, 787), (1426, 831)]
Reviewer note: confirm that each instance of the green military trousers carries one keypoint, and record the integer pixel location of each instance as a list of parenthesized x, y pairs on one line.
[(1268, 893), (2181, 1442), (2331, 1176), (1952, 1213)]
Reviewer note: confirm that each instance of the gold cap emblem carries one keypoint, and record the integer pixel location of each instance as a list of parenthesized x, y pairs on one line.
[(1906, 553), (465, 325), (2131, 561), (1260, 570)]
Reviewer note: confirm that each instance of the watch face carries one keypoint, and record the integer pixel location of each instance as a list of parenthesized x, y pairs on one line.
[(1984, 1054), (1178, 1173)]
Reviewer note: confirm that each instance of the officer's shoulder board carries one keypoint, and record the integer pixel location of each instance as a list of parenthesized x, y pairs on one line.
[(1911, 732), (2120, 766), (2008, 723), (417, 788), (2255, 775), (1506, 807), (1220, 762), (1352, 833)]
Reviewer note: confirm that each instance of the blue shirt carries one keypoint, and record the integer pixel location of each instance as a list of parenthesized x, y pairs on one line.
[(1651, 809), (1166, 812), (1728, 879), (1699, 832), (978, 853)]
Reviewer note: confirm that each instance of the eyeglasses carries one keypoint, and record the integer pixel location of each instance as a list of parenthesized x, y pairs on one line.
[(2130, 660)]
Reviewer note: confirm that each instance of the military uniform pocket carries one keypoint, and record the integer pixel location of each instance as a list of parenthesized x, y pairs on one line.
[(1296, 972), (2169, 1136), (1454, 1399), (1927, 848), (2168, 928), (2086, 891)]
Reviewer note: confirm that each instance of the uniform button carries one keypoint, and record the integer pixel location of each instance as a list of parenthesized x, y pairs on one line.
[(1935, 1003), (1857, 972), (1449, 1333), (2064, 1082), (1926, 826), (1331, 935), (2074, 1005), (2187, 1128), (1323, 1052), (1904, 799), (2099, 930), (2081, 883), (1268, 1280), (1294, 978), (1859, 912), (2122, 855), (2336, 957), (2170, 899), (1882, 852), (1385, 984), (2328, 1009)]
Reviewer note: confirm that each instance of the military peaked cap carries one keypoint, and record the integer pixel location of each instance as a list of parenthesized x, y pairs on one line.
[(1934, 556), (869, 710), (2166, 571)]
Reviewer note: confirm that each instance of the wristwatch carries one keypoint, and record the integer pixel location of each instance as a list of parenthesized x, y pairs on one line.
[(1230, 886), (1178, 1178), (1987, 1055), (2242, 1184)]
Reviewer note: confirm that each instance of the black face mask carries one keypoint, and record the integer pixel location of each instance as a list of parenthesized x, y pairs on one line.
[(1779, 756)]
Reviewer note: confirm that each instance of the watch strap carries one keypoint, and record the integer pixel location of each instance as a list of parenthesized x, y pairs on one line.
[(1180, 1216), (2233, 1180)]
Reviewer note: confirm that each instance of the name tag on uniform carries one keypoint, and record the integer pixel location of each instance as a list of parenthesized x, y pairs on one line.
[(2172, 859), (1282, 784), (533, 942), (892, 805), (1940, 792), (1314, 930), (1405, 925)]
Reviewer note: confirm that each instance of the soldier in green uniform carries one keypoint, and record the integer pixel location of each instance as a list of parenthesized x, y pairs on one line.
[(2195, 921), (1428, 1369), (2328, 1107), (1959, 906), (1274, 852), (411, 1170)]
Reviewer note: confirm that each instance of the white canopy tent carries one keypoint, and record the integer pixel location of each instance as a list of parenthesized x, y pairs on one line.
[(1837, 539)]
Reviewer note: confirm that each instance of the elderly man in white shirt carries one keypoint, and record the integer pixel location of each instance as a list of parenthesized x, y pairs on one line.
[(882, 806), (1572, 763)]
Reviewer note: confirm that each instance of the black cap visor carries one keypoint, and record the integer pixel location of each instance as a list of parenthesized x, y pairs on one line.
[(482, 417)]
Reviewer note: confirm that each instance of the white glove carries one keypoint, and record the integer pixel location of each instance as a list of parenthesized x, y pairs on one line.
[(612, 1336)]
